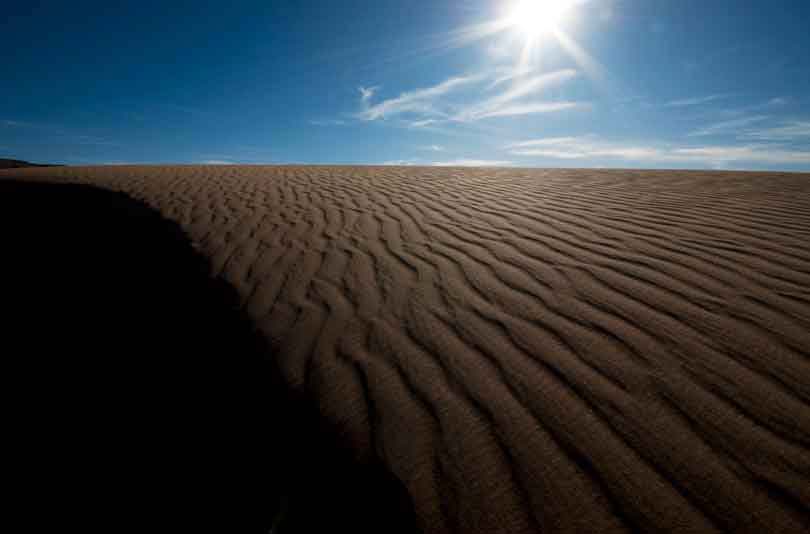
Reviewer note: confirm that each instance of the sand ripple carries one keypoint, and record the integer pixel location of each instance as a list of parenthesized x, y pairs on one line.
[(530, 350)]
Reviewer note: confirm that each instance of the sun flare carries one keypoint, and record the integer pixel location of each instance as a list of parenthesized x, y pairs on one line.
[(536, 17)]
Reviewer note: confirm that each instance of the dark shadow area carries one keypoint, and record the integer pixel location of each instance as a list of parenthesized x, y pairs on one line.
[(138, 396), (18, 164)]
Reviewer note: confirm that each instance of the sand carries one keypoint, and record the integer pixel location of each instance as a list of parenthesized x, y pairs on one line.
[(16, 164), (523, 350)]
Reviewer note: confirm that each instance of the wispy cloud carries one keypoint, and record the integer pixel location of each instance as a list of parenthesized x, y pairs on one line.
[(367, 93), (497, 105), (750, 153), (217, 162), (400, 162), (788, 131), (758, 128), (429, 106), (472, 163), (511, 75), (327, 122), (729, 127), (592, 147), (432, 148), (694, 101), (419, 100), (421, 123), (527, 109), (583, 147), (547, 141)]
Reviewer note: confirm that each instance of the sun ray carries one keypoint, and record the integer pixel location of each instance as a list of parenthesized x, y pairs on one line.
[(584, 61)]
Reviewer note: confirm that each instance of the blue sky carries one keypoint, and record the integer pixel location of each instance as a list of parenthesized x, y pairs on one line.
[(711, 84)]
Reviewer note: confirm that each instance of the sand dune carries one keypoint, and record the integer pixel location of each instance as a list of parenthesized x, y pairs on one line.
[(528, 350), (16, 164)]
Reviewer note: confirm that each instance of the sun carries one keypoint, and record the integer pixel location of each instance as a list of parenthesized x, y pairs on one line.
[(536, 17)]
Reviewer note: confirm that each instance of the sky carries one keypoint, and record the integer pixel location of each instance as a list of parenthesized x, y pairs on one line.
[(706, 84)]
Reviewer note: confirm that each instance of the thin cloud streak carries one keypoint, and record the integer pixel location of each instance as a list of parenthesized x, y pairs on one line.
[(546, 141), (789, 131), (491, 106), (400, 163), (419, 100), (733, 126), (427, 106), (694, 101), (472, 163), (529, 108), (577, 148), (531, 85), (516, 73), (749, 153), (591, 147), (327, 122), (422, 123)]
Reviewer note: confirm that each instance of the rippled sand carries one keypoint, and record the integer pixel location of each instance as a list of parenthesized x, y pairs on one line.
[(528, 350)]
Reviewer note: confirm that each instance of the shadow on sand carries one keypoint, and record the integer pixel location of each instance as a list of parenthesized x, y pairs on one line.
[(139, 397)]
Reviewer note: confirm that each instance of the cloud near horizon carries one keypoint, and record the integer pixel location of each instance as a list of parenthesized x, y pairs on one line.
[(729, 127), (472, 163), (459, 162), (752, 128), (592, 147), (788, 131)]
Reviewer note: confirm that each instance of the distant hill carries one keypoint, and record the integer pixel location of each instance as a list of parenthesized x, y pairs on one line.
[(16, 164)]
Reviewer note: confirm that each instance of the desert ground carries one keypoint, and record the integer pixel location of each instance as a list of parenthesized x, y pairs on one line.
[(440, 349)]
